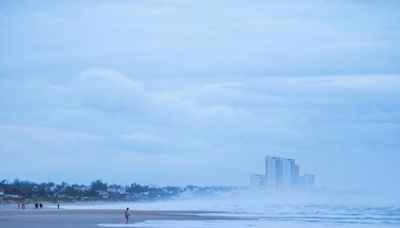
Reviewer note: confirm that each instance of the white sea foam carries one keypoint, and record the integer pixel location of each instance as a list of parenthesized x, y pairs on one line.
[(234, 224)]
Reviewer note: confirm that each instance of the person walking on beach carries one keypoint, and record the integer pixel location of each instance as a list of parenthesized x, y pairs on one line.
[(41, 205), (36, 205), (127, 214)]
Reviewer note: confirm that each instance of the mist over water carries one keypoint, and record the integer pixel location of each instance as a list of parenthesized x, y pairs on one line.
[(281, 210)]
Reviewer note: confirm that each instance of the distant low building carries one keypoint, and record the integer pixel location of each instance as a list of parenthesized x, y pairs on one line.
[(257, 182), (307, 181), (116, 189), (1, 195), (103, 194)]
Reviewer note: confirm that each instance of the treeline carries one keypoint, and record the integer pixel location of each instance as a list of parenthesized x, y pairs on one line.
[(99, 190)]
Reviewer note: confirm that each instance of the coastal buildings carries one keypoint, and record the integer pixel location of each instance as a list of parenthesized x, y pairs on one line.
[(281, 174), (307, 181), (1, 195), (257, 182)]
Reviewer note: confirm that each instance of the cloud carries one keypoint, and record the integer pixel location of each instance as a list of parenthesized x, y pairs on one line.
[(198, 39), (110, 78), (109, 89), (102, 112), (200, 83)]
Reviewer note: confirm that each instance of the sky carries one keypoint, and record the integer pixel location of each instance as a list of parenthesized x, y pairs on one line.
[(199, 92)]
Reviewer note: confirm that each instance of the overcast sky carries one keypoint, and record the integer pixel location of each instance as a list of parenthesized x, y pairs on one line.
[(198, 92)]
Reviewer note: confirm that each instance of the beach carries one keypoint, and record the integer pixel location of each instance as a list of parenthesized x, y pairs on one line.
[(200, 214), (11, 217)]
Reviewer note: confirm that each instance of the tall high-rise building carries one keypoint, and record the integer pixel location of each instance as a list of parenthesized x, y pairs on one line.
[(271, 173), (281, 174), (295, 175)]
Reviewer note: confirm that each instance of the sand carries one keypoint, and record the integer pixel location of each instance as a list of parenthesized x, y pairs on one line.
[(46, 218)]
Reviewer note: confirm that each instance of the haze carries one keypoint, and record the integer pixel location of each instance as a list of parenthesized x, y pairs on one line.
[(198, 92)]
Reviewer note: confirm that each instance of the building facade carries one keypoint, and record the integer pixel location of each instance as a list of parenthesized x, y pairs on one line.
[(281, 174), (307, 181), (257, 182)]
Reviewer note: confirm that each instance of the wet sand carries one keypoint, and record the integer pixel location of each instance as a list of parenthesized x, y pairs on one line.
[(47, 218)]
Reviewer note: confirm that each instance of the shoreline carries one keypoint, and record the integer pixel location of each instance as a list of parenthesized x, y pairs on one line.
[(79, 218), (175, 216)]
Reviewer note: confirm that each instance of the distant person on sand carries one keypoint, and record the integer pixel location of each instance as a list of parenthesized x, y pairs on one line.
[(127, 214), (58, 206), (41, 205), (36, 206)]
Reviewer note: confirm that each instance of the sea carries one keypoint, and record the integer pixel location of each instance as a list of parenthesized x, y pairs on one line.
[(257, 212)]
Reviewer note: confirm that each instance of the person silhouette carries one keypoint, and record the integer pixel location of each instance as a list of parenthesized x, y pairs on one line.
[(127, 214)]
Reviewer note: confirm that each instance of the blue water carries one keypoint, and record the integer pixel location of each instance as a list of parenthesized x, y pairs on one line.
[(254, 213)]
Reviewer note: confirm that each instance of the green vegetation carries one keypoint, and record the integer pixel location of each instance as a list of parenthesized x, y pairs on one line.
[(98, 190)]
